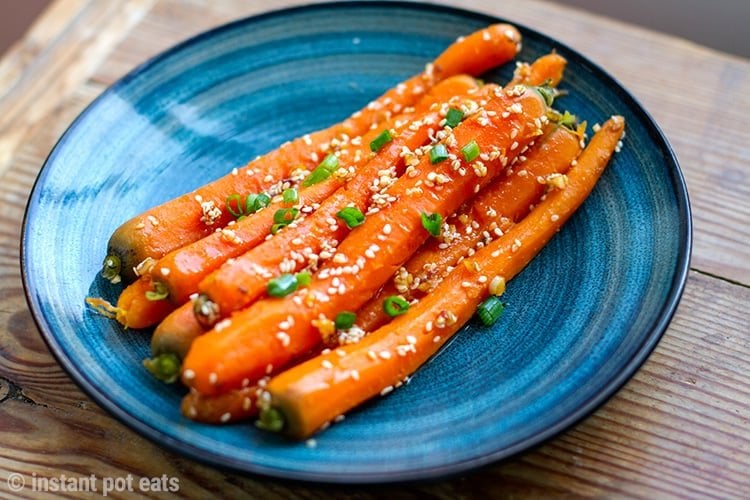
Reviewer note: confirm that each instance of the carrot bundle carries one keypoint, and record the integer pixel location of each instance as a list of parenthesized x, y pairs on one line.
[(176, 276), (175, 333), (272, 331), (304, 398), (194, 215)]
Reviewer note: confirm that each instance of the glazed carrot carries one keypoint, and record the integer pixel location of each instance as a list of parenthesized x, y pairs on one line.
[(504, 202), (314, 238), (180, 271), (310, 394), (189, 217), (273, 331)]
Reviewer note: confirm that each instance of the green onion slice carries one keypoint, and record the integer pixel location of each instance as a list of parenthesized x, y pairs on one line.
[(290, 196), (345, 320), (285, 215), (352, 216), (490, 310), (323, 171), (381, 140), (432, 223), (438, 153), (454, 117), (282, 285), (303, 278), (160, 292), (395, 306), (470, 151), (235, 210)]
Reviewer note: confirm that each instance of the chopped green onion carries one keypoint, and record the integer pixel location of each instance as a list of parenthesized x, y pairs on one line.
[(262, 200), (345, 320), (237, 210), (160, 292), (352, 216), (568, 120), (303, 278), (381, 140), (548, 93), (432, 223), (323, 171), (290, 196), (282, 285), (438, 153), (454, 117), (395, 306), (470, 151), (490, 310), (285, 215)]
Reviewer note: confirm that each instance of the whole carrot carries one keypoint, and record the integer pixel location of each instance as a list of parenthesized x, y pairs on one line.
[(307, 396), (274, 331), (192, 216)]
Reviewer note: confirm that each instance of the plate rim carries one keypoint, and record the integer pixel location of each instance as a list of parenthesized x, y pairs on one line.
[(657, 327)]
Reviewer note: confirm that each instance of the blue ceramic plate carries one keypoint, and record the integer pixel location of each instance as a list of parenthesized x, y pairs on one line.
[(580, 320)]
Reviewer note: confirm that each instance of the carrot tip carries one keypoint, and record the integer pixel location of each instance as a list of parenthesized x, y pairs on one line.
[(206, 311), (103, 307), (270, 419), (165, 367), (111, 269)]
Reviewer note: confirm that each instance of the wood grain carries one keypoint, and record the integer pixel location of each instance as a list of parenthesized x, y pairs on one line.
[(678, 429)]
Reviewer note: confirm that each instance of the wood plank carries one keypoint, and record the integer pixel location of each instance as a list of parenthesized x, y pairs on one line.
[(678, 429), (64, 63)]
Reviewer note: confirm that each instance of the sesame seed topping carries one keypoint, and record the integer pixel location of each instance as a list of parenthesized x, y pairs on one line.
[(188, 374), (213, 378), (225, 418), (385, 354)]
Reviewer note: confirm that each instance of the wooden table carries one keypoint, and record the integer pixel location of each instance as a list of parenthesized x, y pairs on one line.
[(680, 427)]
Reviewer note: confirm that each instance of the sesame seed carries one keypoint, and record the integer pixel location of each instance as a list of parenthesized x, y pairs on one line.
[(225, 418), (283, 338), (327, 364), (188, 374), (372, 355), (386, 390), (554, 218), (164, 271), (436, 339), (411, 339), (247, 403), (311, 443), (428, 326), (212, 378), (385, 354)]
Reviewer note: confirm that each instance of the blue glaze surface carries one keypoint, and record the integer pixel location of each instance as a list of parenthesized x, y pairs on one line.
[(580, 319)]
